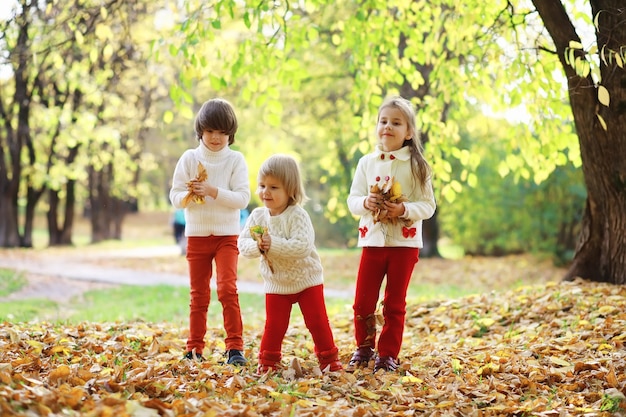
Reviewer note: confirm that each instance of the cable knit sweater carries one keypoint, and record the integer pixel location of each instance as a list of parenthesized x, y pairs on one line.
[(226, 170), (374, 168), (297, 265)]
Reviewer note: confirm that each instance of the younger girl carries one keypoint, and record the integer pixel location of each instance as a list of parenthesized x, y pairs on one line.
[(291, 266), (390, 232)]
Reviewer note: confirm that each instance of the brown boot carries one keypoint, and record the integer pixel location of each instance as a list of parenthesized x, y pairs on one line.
[(329, 359), (268, 361)]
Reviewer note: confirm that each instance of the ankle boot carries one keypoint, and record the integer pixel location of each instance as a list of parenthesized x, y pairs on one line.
[(268, 361), (329, 359)]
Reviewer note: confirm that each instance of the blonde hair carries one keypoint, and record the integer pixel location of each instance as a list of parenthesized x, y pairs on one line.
[(285, 169), (419, 166)]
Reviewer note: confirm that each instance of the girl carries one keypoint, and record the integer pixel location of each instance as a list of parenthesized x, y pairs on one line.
[(390, 232), (211, 183), (291, 266)]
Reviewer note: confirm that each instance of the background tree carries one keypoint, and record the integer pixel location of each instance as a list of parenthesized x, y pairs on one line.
[(74, 73), (595, 80)]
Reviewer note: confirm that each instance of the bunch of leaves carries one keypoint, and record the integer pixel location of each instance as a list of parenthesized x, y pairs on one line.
[(191, 195), (389, 190), (257, 233), (547, 350)]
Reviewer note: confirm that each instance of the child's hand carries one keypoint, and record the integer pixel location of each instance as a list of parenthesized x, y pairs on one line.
[(265, 243), (199, 187), (373, 202), (393, 209)]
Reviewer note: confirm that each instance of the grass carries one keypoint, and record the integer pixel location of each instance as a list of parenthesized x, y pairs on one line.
[(10, 282)]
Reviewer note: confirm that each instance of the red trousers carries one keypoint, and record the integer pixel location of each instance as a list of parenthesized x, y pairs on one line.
[(397, 264), (201, 251), (278, 313)]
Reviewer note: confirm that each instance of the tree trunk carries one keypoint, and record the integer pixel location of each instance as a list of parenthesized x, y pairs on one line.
[(601, 250), (61, 235)]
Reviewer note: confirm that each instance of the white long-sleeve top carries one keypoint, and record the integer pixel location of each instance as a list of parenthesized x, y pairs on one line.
[(297, 265), (372, 169), (226, 170)]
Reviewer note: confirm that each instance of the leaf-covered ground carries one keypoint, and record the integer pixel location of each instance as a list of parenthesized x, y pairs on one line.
[(552, 350)]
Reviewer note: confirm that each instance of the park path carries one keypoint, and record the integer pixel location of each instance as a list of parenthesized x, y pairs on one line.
[(58, 277)]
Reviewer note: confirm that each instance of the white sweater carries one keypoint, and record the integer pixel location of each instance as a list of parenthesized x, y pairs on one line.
[(297, 265), (226, 170), (373, 168)]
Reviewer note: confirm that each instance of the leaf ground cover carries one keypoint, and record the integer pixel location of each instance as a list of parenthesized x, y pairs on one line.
[(555, 349)]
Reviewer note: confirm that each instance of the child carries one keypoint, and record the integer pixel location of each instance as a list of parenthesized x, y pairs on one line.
[(178, 222), (291, 266), (390, 230), (211, 183)]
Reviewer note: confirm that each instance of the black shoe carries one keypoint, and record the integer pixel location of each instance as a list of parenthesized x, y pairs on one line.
[(190, 355), (235, 357)]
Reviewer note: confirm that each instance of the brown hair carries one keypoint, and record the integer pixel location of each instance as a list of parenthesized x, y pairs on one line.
[(285, 169), (217, 114), (419, 166)]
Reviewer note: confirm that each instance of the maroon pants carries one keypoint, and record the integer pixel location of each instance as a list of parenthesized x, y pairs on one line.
[(201, 251), (278, 313), (397, 264)]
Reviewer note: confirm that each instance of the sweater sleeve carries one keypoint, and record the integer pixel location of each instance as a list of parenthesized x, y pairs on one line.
[(182, 174), (238, 196), (424, 207), (359, 190)]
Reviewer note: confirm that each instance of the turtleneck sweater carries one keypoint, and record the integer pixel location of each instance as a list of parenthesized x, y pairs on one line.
[(226, 170)]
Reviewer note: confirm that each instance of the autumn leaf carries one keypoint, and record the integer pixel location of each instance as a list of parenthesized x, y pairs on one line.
[(552, 349)]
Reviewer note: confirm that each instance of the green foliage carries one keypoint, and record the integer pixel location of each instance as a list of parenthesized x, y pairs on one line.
[(320, 74), (512, 214)]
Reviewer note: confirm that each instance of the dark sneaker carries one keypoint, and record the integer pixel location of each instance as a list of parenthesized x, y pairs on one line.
[(235, 357), (190, 355), (386, 363), (360, 357)]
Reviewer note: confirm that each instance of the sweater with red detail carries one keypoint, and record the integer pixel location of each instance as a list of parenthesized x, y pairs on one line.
[(297, 265), (370, 169)]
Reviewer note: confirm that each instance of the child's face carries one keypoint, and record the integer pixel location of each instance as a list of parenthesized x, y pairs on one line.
[(273, 194), (392, 129), (214, 140)]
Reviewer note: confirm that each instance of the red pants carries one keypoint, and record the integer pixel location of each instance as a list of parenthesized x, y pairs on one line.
[(397, 264), (201, 251), (278, 312)]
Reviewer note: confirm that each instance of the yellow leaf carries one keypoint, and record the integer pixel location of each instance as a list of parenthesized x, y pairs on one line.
[(488, 369), (486, 322), (602, 122), (38, 346), (410, 379), (369, 394), (606, 310), (603, 95)]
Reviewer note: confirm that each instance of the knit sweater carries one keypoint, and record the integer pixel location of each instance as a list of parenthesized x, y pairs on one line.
[(226, 170), (297, 265), (372, 169)]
